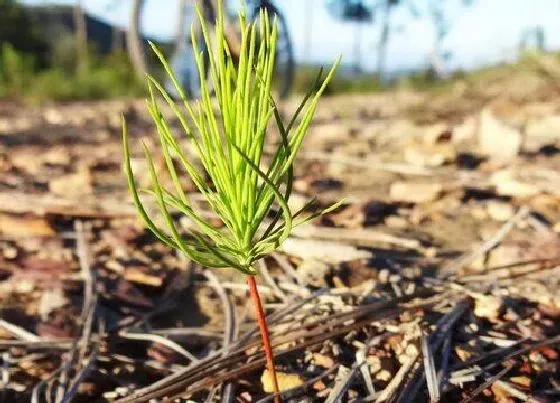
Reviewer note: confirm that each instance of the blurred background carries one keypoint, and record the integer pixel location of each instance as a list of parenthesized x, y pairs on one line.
[(82, 49)]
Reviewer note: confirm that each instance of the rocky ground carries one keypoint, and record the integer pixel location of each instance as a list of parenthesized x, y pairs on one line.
[(437, 279)]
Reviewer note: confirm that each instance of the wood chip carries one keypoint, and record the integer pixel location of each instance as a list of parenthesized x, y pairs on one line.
[(285, 381), (139, 276), (330, 252), (24, 226), (415, 192)]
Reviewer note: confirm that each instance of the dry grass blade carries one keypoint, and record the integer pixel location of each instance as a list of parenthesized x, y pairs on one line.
[(435, 340), (216, 369), (398, 380), (230, 329), (486, 384), (291, 393), (19, 332), (430, 370), (492, 242), (154, 338)]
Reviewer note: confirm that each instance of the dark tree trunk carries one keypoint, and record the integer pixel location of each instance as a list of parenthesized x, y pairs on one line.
[(134, 44), (80, 29), (182, 26), (383, 41)]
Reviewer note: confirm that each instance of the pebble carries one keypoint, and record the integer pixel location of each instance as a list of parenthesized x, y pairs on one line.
[(500, 211), (415, 192), (285, 381), (10, 253)]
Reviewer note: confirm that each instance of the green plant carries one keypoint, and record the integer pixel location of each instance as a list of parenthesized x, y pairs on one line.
[(16, 70), (246, 191)]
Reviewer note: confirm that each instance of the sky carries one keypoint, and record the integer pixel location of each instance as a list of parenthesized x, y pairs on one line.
[(486, 32)]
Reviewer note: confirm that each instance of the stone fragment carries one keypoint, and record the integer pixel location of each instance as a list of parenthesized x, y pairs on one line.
[(24, 226), (488, 306), (415, 192), (500, 211), (74, 184), (285, 381), (508, 185), (326, 251), (497, 139), (140, 275), (323, 360), (430, 156)]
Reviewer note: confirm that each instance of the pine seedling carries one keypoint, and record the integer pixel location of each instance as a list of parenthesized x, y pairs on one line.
[(246, 189)]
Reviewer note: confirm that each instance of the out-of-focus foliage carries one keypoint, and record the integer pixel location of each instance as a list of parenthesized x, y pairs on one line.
[(16, 70), (33, 70), (108, 76), (20, 30), (364, 82)]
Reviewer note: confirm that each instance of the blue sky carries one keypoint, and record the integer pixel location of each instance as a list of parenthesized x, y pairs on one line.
[(486, 32)]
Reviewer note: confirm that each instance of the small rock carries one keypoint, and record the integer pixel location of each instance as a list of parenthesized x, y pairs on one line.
[(319, 386), (383, 375), (496, 139), (500, 211), (325, 251), (75, 184), (50, 300), (374, 364), (139, 275), (437, 134), (297, 201), (479, 213), (114, 265), (24, 286), (57, 156), (507, 185), (323, 360), (53, 116), (384, 276), (465, 131), (430, 252), (521, 380), (500, 394), (547, 127), (396, 222), (330, 134), (415, 192), (25, 226), (10, 253), (27, 161), (285, 381), (433, 156), (504, 254), (246, 396), (351, 216), (462, 353), (488, 306)]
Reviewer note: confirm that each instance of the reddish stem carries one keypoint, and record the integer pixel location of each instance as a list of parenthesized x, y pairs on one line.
[(264, 335)]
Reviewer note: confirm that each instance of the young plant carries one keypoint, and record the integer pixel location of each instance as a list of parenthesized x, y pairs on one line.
[(246, 189)]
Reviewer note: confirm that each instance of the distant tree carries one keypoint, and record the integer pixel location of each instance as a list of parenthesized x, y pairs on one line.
[(367, 11), (80, 33), (308, 26), (386, 7), (435, 12), (532, 39), (381, 12), (19, 30), (134, 43), (182, 26)]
